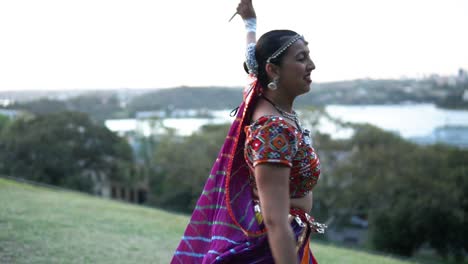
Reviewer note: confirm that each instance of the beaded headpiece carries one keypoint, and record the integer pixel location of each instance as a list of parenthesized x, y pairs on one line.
[(251, 62), (284, 47)]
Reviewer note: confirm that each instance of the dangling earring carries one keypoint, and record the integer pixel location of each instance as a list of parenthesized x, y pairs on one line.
[(273, 85)]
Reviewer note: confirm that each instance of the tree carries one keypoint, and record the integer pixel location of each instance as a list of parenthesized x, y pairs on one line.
[(65, 149), (4, 121), (412, 194), (41, 106), (99, 106), (183, 165)]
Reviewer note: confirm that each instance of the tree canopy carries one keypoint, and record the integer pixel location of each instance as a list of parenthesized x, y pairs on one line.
[(65, 149), (412, 194)]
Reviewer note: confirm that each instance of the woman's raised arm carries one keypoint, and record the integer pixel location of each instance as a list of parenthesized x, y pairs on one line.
[(247, 12)]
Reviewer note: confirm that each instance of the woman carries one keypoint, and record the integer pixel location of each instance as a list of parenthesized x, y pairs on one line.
[(253, 206)]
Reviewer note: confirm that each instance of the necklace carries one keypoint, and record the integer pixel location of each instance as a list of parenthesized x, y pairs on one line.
[(291, 116)]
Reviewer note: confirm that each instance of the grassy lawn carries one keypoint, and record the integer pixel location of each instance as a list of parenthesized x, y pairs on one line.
[(38, 225)]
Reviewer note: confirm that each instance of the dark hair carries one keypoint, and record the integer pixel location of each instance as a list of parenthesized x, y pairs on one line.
[(266, 45)]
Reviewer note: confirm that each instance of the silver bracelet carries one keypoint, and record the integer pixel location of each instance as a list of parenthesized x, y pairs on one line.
[(250, 24)]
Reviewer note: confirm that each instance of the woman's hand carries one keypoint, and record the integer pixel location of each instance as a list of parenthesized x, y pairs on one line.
[(246, 10)]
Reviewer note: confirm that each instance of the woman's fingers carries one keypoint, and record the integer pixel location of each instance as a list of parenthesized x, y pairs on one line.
[(245, 9)]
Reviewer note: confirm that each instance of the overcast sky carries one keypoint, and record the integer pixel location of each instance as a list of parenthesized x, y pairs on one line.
[(104, 44)]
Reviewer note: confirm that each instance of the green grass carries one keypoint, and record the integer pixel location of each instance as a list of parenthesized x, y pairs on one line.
[(38, 225)]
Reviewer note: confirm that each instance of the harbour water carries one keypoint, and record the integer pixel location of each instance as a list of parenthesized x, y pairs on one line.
[(422, 123)]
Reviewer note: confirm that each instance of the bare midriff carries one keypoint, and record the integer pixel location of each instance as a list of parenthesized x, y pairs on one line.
[(305, 203)]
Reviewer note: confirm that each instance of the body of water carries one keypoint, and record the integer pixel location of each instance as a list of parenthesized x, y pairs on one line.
[(424, 123), (407, 120), (182, 126)]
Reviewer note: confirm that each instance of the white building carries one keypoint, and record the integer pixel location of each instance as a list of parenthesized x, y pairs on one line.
[(465, 96)]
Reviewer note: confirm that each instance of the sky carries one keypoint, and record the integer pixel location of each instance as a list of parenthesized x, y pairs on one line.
[(111, 44)]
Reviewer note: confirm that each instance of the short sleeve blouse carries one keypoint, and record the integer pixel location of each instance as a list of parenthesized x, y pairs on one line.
[(271, 139)]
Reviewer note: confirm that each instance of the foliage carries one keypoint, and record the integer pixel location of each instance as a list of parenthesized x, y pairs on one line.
[(183, 98), (99, 106), (65, 149), (4, 121), (183, 165), (455, 98), (412, 194), (41, 106)]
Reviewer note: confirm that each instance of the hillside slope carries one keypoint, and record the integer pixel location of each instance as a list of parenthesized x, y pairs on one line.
[(38, 225)]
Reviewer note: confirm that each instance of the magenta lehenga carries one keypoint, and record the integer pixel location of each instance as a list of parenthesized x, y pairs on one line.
[(226, 225)]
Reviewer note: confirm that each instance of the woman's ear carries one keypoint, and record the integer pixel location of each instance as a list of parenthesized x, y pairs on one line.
[(272, 70)]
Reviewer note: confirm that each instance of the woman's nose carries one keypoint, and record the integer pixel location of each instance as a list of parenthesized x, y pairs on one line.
[(311, 66)]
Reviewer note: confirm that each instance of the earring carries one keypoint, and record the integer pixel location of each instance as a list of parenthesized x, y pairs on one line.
[(273, 85)]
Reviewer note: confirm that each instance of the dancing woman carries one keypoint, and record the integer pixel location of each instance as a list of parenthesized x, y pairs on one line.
[(255, 203)]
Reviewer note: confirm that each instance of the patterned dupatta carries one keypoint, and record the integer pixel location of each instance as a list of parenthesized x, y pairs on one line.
[(223, 222)]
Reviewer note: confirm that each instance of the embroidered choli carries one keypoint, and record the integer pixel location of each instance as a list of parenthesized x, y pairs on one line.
[(271, 139)]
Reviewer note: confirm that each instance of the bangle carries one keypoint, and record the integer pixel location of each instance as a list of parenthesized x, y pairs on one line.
[(250, 24)]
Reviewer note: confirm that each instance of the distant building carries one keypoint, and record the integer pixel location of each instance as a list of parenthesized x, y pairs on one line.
[(137, 193), (465, 96), (132, 193), (6, 102), (150, 114), (450, 80), (462, 76), (348, 235)]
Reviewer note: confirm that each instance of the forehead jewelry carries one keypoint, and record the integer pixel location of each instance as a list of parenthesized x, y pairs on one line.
[(284, 47)]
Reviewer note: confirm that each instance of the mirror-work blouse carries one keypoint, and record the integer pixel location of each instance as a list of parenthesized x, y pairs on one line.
[(271, 139)]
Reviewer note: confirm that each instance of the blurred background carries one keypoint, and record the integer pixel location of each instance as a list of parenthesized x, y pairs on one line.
[(131, 100)]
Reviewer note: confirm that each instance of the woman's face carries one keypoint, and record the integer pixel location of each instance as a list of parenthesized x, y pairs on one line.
[(294, 73)]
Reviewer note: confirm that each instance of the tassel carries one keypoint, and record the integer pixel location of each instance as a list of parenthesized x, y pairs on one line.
[(234, 112), (305, 255)]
